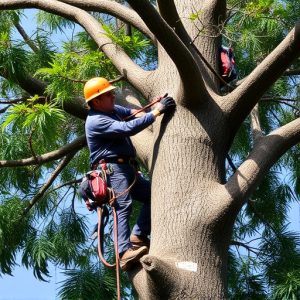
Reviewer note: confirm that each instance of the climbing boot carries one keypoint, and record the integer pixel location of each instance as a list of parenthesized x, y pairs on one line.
[(131, 256), (138, 241)]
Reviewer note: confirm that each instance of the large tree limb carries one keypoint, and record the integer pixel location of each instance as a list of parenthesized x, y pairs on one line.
[(169, 12), (186, 64), (33, 86), (50, 156), (266, 152), (115, 9), (240, 102), (135, 74)]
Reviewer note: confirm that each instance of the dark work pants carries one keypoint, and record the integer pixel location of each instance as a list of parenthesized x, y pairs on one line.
[(121, 178)]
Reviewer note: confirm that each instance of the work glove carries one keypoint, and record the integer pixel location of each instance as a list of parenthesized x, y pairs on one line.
[(166, 104)]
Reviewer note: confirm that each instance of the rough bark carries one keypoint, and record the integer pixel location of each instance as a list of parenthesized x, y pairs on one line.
[(193, 208)]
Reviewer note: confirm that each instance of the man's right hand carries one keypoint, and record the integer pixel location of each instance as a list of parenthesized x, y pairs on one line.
[(166, 104)]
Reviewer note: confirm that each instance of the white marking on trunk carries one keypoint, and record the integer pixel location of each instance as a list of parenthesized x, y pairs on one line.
[(187, 265)]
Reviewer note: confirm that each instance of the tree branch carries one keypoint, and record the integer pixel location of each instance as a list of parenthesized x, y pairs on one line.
[(169, 12), (158, 277), (186, 64), (50, 156), (295, 108), (33, 86), (240, 102), (255, 125), (4, 109), (115, 9), (294, 72), (249, 248), (136, 75), (279, 99), (53, 176), (266, 152), (15, 101), (26, 38), (71, 182)]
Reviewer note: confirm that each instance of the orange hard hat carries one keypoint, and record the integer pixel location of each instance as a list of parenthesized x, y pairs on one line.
[(96, 87)]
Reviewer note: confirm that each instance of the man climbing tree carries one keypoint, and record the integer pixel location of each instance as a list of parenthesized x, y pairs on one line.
[(199, 207), (107, 133)]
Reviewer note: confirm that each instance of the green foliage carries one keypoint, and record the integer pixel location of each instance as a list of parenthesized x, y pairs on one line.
[(243, 283), (43, 120), (37, 253), (255, 27), (12, 58), (91, 282), (13, 230), (53, 22), (134, 45), (289, 289), (269, 255), (69, 237), (68, 66), (42, 57), (8, 18)]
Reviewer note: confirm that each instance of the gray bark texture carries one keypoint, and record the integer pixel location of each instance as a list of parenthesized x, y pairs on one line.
[(193, 208)]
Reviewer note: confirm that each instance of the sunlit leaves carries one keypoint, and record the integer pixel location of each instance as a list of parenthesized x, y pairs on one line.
[(54, 22), (12, 58), (7, 19), (134, 45), (255, 27), (66, 68), (41, 119)]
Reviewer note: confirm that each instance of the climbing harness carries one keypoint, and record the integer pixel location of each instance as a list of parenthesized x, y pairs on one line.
[(97, 195)]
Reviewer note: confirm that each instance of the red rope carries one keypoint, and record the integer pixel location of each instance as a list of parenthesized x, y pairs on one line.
[(100, 241), (111, 202)]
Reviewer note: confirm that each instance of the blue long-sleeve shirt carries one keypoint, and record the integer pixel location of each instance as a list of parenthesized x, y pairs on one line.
[(108, 135)]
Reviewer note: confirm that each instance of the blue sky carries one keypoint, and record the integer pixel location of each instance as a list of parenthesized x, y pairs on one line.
[(24, 286)]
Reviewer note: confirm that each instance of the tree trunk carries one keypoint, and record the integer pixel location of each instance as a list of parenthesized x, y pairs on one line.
[(190, 234), (190, 230)]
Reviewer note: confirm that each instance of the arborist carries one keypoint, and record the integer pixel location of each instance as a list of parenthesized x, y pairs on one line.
[(109, 143)]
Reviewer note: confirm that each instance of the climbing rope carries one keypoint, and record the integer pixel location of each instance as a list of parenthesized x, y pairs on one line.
[(100, 230)]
